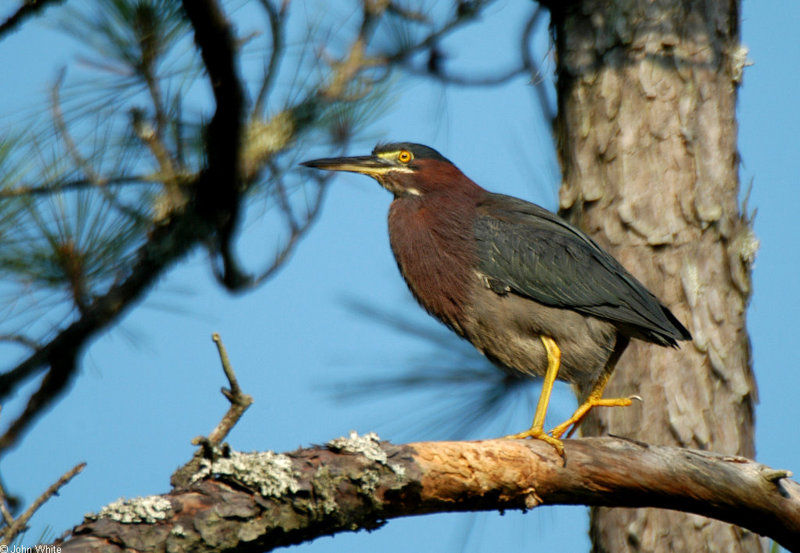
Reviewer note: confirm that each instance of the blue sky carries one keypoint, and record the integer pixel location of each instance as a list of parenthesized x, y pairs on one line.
[(150, 385)]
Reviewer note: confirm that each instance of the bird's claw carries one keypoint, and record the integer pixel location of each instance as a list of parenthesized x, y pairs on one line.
[(539, 434), (580, 413)]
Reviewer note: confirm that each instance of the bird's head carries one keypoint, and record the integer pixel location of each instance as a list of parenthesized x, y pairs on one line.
[(403, 168)]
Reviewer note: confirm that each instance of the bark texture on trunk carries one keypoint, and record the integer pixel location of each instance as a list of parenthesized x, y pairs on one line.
[(646, 133)]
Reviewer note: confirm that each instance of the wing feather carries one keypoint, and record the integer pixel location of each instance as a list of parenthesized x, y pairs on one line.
[(535, 253)]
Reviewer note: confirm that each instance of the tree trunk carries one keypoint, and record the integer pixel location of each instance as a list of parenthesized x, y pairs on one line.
[(646, 133)]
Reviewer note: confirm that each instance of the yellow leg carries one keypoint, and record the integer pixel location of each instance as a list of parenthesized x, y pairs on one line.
[(536, 430), (595, 399)]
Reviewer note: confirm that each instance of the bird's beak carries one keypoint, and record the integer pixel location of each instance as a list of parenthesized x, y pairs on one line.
[(367, 165)]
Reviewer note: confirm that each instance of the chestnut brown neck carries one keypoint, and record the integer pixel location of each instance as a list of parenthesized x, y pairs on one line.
[(432, 238)]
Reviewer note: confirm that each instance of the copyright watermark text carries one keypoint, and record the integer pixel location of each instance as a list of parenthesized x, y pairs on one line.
[(33, 549)]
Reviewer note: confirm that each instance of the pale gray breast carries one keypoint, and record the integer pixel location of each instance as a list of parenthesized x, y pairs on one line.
[(507, 327)]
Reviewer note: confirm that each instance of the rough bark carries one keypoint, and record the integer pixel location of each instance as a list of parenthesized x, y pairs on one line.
[(260, 501), (647, 140)]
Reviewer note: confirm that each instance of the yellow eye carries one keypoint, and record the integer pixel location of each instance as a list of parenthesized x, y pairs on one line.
[(404, 156)]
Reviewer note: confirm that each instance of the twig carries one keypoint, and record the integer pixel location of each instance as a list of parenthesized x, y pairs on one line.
[(539, 83), (8, 518), (208, 445), (298, 230), (77, 184), (21, 522), (434, 37), (63, 131), (151, 137), (407, 14), (239, 401), (283, 203), (152, 81), (276, 21), (462, 80), (20, 339), (92, 177)]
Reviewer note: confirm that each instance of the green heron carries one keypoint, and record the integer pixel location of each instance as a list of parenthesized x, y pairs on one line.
[(530, 291)]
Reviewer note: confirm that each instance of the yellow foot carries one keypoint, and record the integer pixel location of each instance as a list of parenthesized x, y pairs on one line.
[(581, 412), (540, 434)]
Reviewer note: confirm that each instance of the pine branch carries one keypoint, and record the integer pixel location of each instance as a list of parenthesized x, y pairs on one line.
[(216, 203), (261, 501), (15, 527), (211, 213), (28, 8)]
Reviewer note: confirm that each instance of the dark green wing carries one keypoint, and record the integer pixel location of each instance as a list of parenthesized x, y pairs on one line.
[(534, 253)]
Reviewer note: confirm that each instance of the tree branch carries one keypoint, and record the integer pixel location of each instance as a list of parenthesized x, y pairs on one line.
[(260, 501), (17, 526), (212, 211), (27, 9), (214, 38), (220, 184), (216, 207), (166, 244)]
